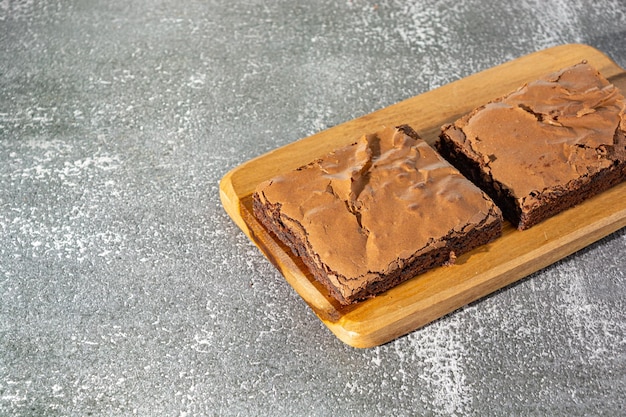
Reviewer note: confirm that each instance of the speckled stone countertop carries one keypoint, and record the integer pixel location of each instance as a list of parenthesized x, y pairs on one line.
[(125, 289)]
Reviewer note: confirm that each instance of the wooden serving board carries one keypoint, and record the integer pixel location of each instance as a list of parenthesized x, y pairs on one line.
[(476, 274)]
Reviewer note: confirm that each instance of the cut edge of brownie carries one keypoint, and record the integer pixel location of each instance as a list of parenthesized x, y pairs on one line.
[(546, 203)]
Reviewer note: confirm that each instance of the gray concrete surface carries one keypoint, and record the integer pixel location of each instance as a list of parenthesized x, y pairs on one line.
[(125, 289)]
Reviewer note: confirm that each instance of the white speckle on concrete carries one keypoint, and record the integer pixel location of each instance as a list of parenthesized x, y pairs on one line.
[(441, 352)]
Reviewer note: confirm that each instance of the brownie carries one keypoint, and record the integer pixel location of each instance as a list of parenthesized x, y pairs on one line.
[(545, 147), (373, 214)]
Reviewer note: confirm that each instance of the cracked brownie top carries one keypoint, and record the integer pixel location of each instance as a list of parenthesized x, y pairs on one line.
[(562, 127), (372, 206)]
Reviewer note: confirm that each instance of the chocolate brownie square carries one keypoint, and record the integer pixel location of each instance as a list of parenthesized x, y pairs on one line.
[(373, 214), (545, 147)]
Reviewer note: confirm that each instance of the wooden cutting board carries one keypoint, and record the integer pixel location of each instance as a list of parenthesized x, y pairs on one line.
[(476, 274)]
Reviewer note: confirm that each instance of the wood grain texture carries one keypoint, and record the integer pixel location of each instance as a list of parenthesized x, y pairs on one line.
[(476, 274)]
